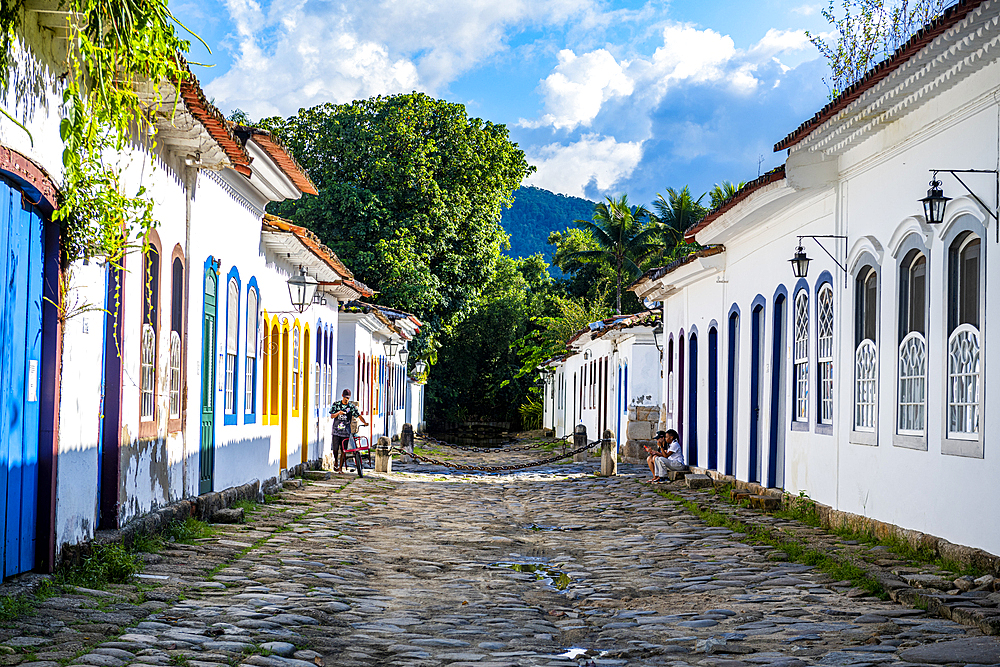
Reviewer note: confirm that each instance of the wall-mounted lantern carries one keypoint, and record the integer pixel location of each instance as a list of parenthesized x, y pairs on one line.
[(301, 289)]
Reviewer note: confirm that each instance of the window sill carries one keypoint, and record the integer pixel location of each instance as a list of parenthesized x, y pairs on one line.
[(250, 418), (800, 426), (972, 449), (918, 442), (863, 438), (824, 429), (229, 420)]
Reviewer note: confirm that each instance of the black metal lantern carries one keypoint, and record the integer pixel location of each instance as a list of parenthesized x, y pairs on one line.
[(658, 336), (934, 203), (404, 354), (420, 367), (301, 289), (800, 263), (390, 347)]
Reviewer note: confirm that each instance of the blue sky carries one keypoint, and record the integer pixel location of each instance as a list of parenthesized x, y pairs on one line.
[(604, 96)]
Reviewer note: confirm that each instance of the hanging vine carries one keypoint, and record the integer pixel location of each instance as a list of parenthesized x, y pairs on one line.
[(118, 54)]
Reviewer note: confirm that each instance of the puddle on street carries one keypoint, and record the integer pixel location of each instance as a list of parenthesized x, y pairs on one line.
[(543, 572)]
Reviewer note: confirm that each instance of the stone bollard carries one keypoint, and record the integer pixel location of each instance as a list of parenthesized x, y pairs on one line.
[(406, 444), (383, 457), (580, 440), (609, 455)]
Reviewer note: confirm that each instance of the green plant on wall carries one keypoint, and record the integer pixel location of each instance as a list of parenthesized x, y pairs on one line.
[(117, 54)]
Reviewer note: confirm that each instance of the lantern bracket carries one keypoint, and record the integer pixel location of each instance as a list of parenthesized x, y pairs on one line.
[(995, 214), (816, 237)]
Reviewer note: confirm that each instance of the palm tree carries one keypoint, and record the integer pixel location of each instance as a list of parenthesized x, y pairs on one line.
[(624, 237), (724, 191), (675, 214)]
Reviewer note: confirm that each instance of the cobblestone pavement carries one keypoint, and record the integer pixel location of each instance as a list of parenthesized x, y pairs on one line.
[(418, 568)]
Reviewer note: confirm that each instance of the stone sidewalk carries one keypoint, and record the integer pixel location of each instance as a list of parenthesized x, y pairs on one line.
[(552, 566)]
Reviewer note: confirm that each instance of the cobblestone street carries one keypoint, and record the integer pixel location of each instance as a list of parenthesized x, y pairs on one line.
[(419, 569)]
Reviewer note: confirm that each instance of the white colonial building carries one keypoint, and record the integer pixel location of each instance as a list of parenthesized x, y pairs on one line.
[(866, 383)]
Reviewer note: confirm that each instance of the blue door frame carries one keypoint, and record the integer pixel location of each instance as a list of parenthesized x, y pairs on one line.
[(22, 264), (692, 439), (777, 375), (756, 326), (734, 331), (713, 398)]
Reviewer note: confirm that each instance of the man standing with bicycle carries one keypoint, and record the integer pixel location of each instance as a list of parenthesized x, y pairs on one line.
[(343, 412)]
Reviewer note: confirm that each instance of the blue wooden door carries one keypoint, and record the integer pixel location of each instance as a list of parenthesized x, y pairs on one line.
[(756, 326), (731, 385), (775, 452), (692, 438), (206, 459), (713, 398), (21, 255)]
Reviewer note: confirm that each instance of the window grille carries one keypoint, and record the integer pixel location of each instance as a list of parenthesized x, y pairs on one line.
[(963, 382), (912, 384), (147, 373), (175, 375), (824, 354), (866, 394), (801, 356)]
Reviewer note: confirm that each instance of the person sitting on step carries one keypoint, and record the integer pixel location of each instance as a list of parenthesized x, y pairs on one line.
[(670, 456)]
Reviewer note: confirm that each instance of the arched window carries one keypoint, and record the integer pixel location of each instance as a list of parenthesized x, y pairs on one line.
[(250, 364), (150, 327), (295, 369), (911, 398), (800, 356), (964, 365), (866, 350), (176, 324), (232, 347), (824, 352), (274, 350)]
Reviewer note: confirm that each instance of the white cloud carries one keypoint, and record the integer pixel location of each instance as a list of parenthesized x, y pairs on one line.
[(295, 53), (805, 10), (690, 54), (575, 91), (591, 160), (778, 41)]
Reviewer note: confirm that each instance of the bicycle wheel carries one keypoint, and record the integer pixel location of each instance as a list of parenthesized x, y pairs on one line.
[(357, 462)]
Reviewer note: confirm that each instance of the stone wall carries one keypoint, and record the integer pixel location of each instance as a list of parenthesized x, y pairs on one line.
[(640, 429)]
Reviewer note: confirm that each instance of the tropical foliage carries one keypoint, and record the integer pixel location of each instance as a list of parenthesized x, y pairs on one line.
[(533, 216)]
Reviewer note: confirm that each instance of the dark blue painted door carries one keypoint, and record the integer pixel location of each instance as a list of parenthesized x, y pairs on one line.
[(692, 438), (713, 398), (21, 255), (774, 458), (756, 326), (734, 330)]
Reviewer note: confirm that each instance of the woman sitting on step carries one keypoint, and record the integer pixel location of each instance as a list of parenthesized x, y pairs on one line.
[(669, 455)]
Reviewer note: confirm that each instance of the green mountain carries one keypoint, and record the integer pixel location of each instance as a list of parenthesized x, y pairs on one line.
[(536, 213)]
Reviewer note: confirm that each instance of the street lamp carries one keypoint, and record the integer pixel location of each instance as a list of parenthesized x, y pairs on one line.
[(800, 263), (419, 367), (390, 347), (658, 336), (404, 354), (934, 203), (301, 289)]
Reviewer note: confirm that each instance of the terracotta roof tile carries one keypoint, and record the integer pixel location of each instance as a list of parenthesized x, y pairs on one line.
[(281, 156), (660, 271), (919, 40), (311, 241), (213, 121), (776, 174)]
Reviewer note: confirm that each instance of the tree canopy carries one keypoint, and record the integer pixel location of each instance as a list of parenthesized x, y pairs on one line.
[(411, 191)]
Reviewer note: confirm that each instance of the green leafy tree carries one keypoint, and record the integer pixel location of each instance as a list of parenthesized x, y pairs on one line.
[(724, 191), (624, 238), (866, 33), (550, 333), (580, 279), (411, 191), (535, 214)]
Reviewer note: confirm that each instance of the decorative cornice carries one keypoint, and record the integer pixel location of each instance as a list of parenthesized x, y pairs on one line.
[(225, 185)]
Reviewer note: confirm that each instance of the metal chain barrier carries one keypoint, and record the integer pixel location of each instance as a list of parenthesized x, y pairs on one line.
[(468, 448), (481, 468)]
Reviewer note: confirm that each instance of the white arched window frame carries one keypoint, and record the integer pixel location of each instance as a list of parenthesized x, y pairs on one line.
[(866, 355), (964, 352), (911, 388), (800, 356), (232, 344), (175, 375), (824, 353), (250, 363), (147, 373)]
